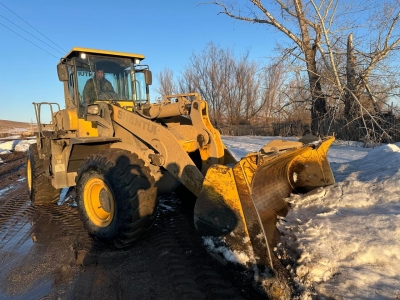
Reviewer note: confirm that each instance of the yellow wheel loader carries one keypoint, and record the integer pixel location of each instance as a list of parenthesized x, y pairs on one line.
[(121, 152)]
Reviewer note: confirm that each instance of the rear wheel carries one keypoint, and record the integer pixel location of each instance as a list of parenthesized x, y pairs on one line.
[(116, 197), (41, 191)]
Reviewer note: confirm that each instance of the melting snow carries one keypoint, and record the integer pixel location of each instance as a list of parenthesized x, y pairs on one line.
[(5, 190), (237, 257)]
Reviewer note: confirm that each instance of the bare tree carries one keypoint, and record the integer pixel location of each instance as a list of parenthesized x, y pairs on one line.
[(318, 29), (166, 82), (296, 105), (240, 89), (272, 91), (247, 88), (229, 84), (205, 76), (292, 11)]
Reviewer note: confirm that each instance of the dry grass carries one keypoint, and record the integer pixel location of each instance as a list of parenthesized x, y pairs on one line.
[(11, 128)]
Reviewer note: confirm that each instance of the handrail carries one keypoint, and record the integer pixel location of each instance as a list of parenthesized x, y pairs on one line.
[(38, 107)]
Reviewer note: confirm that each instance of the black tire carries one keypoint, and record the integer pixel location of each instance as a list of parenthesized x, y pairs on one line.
[(41, 191), (116, 197)]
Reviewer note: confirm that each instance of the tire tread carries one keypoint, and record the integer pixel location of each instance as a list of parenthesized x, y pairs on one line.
[(129, 178), (42, 192)]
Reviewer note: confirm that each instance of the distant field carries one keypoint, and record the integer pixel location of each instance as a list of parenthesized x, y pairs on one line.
[(8, 128)]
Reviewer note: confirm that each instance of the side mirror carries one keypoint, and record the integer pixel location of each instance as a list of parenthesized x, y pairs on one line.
[(62, 71), (148, 77)]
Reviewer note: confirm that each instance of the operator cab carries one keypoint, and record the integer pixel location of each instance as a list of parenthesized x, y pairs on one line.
[(95, 75)]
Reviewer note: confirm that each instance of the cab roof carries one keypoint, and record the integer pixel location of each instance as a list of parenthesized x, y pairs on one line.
[(76, 51)]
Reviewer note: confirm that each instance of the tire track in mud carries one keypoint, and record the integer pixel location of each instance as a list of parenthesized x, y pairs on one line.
[(12, 225), (15, 162), (168, 263), (16, 207), (28, 255), (65, 216), (195, 274), (15, 210)]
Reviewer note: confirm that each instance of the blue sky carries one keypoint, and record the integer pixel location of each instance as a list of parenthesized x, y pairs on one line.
[(166, 32)]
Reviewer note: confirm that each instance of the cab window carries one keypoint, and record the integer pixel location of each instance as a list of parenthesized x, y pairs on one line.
[(102, 78)]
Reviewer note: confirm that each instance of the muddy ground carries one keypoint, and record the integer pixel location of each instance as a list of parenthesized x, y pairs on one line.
[(45, 253)]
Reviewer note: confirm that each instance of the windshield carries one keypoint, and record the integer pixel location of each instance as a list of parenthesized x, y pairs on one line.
[(104, 78)]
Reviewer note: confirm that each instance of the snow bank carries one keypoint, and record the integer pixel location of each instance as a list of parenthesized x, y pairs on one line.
[(23, 146), (348, 234), (6, 147), (16, 145), (343, 240)]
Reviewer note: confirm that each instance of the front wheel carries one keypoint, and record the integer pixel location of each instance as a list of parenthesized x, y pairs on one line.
[(116, 197)]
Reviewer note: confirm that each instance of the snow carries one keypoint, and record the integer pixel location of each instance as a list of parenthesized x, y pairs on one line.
[(347, 235), (15, 145), (239, 257), (5, 190)]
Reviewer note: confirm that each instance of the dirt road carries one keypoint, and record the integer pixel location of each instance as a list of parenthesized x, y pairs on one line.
[(45, 253)]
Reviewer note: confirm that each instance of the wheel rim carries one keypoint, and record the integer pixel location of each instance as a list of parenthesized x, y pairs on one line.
[(29, 175), (99, 202)]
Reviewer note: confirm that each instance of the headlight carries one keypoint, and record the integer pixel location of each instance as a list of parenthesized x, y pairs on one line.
[(93, 109)]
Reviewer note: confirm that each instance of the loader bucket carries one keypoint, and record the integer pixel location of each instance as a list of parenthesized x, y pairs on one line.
[(241, 204)]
